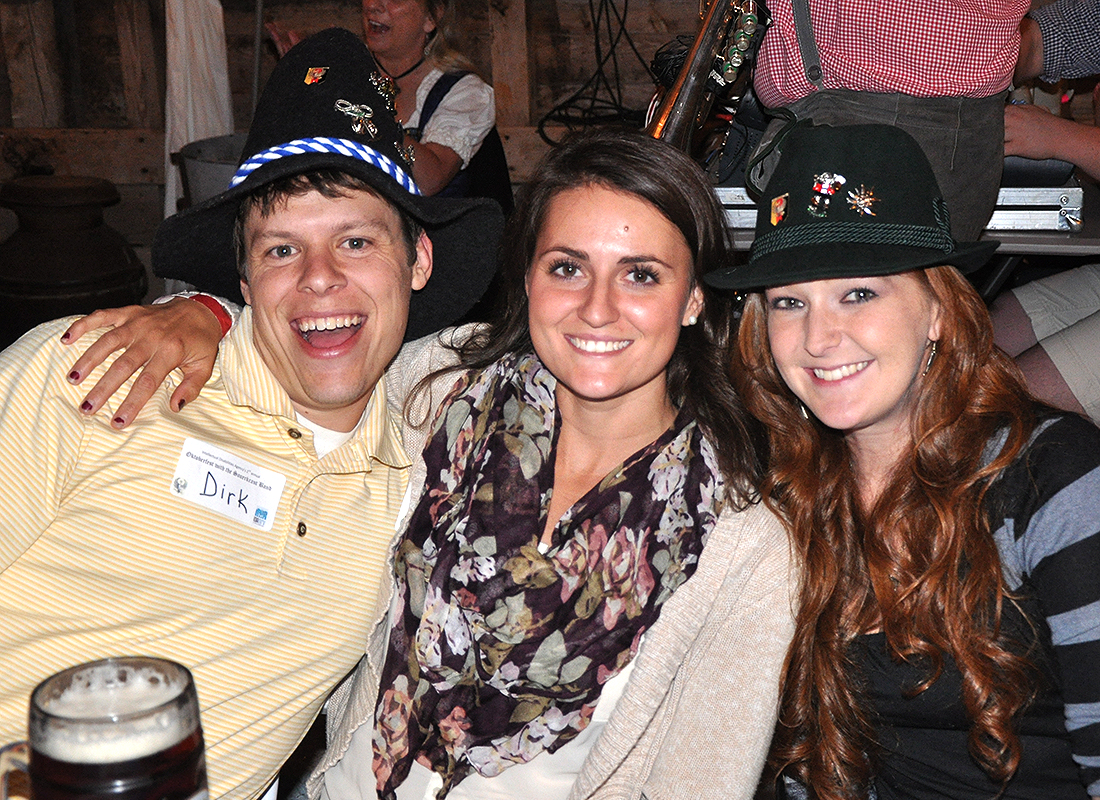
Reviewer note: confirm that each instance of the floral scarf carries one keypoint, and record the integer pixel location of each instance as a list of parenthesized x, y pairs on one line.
[(498, 651)]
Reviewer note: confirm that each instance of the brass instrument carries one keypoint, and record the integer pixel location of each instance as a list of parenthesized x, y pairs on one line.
[(729, 31)]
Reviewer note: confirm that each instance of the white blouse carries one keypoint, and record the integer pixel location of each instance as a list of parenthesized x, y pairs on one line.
[(463, 117)]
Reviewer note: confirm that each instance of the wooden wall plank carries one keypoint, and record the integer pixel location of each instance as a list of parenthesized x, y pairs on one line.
[(135, 155), (140, 81), (511, 77), (5, 88), (127, 155), (33, 68), (523, 147)]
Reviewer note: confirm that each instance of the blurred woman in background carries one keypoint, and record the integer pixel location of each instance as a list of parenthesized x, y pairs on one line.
[(446, 109)]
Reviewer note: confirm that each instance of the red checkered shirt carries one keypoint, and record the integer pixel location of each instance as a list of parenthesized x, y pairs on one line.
[(943, 48)]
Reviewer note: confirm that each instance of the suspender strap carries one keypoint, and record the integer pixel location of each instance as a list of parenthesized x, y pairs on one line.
[(807, 47), (487, 173), (445, 83)]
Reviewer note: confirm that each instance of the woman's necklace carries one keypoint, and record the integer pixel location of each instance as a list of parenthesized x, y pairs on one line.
[(396, 78)]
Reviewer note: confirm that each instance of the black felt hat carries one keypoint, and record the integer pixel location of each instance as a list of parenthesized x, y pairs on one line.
[(849, 201), (327, 106)]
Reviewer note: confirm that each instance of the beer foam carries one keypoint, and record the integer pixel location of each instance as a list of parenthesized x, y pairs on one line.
[(98, 716)]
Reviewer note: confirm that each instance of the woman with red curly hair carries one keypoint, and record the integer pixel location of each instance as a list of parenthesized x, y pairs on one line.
[(946, 524)]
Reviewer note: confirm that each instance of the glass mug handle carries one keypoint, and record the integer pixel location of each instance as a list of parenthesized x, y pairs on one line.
[(13, 758)]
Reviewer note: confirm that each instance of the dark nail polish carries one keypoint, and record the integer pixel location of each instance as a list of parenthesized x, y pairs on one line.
[(179, 407), (65, 336), (118, 421), (85, 406), (74, 375)]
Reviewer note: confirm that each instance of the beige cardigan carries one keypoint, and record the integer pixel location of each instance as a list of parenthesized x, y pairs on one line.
[(698, 711)]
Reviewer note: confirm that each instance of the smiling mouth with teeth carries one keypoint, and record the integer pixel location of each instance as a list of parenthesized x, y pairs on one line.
[(308, 327), (840, 372), (598, 345)]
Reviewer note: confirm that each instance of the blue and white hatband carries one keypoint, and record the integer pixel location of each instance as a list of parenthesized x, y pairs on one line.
[(344, 147)]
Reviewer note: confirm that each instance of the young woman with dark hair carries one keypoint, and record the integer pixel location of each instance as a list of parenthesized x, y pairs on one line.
[(603, 298), (625, 163)]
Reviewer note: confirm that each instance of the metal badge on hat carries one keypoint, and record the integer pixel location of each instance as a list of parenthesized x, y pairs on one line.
[(825, 186), (360, 117), (315, 75), (388, 89), (385, 86), (779, 208), (862, 200)]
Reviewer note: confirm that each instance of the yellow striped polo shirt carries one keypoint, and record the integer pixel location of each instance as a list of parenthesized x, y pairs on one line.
[(104, 550)]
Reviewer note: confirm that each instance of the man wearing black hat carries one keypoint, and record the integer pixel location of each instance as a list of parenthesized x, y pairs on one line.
[(244, 535)]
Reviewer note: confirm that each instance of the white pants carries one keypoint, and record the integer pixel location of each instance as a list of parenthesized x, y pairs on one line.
[(1064, 310)]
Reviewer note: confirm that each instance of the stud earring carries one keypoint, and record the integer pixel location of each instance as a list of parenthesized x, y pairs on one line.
[(692, 319), (931, 357)]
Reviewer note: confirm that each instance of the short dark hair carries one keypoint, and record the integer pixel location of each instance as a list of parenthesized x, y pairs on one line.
[(330, 183)]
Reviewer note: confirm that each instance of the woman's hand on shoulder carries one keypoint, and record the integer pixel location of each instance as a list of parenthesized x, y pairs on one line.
[(155, 340), (282, 37)]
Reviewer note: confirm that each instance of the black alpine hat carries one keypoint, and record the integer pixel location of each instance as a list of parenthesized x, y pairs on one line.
[(849, 201), (327, 106)]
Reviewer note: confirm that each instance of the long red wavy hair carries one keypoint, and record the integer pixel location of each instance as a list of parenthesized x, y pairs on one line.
[(921, 565)]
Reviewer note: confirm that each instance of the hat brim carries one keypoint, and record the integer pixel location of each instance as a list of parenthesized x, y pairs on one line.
[(825, 260), (196, 245)]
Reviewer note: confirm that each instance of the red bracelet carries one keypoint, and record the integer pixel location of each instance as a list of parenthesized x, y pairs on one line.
[(224, 319)]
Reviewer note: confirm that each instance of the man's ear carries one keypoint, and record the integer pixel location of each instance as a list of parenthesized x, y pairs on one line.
[(246, 292), (422, 267)]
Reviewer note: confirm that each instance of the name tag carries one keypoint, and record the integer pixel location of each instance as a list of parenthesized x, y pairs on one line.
[(223, 482)]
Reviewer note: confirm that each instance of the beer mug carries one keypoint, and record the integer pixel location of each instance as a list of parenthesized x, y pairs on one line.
[(123, 728)]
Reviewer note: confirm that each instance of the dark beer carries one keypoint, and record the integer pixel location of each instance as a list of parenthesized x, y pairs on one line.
[(178, 773), (123, 729)]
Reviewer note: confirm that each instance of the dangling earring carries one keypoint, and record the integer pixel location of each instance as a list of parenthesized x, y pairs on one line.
[(931, 357), (802, 410)]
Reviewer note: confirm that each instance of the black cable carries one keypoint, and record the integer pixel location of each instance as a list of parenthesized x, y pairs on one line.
[(669, 58), (585, 107)]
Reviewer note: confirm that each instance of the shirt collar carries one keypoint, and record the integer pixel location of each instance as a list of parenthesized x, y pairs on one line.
[(248, 382)]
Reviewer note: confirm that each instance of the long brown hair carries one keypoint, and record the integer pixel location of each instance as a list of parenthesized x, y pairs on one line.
[(921, 565), (671, 182)]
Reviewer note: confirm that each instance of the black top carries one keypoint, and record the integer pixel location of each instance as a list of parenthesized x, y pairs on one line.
[(1045, 513)]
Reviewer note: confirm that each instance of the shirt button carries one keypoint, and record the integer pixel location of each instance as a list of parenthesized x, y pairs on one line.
[(294, 433), (301, 529)]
